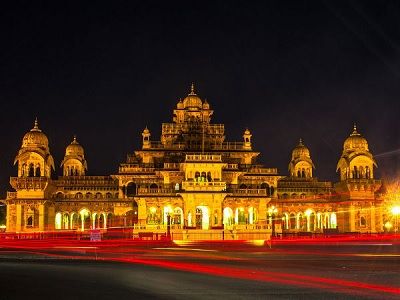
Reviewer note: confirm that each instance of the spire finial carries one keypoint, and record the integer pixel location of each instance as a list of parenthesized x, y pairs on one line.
[(192, 89), (36, 124), (355, 132), (74, 137), (301, 142)]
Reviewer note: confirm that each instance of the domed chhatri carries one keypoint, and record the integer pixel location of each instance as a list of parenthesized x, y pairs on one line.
[(35, 138), (300, 151), (355, 142), (192, 100), (301, 164), (74, 162), (356, 161), (34, 158), (75, 149)]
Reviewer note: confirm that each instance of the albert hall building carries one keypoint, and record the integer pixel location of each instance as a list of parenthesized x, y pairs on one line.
[(195, 183)]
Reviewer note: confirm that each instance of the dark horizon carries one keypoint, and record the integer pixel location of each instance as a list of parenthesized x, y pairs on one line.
[(285, 70)]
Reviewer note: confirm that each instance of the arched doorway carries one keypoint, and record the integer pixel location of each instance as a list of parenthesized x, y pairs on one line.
[(58, 220), (228, 217), (202, 217), (84, 218), (240, 217)]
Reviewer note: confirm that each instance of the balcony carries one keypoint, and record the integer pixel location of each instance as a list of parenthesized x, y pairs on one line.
[(29, 183), (212, 186)]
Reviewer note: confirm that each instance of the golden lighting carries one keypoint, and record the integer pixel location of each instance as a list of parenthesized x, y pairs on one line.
[(395, 210)]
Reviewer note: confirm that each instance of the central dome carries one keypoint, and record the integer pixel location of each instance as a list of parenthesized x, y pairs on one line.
[(192, 100), (355, 142), (35, 138)]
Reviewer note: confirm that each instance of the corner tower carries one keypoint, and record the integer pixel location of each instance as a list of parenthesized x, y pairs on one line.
[(34, 158), (359, 208), (356, 162)]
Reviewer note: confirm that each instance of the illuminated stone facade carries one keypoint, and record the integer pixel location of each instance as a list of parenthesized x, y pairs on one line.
[(195, 181)]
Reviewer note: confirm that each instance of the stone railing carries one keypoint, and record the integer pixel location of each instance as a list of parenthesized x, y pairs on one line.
[(29, 183), (212, 186), (11, 195), (155, 191), (261, 192)]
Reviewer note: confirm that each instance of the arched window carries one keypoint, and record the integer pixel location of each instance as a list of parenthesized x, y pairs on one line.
[(37, 171), (79, 195), (31, 170), (108, 195), (153, 186), (292, 221), (209, 177), (89, 195), (29, 221), (131, 189), (243, 186), (99, 196), (363, 222), (298, 173), (196, 176), (367, 172), (303, 173)]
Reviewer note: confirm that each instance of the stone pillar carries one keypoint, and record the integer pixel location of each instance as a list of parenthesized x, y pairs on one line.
[(352, 218), (51, 217), (8, 216), (41, 217), (262, 210), (19, 213), (142, 211), (373, 224)]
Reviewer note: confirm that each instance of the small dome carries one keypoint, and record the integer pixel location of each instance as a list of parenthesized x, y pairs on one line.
[(74, 149), (206, 105), (35, 138), (180, 104), (192, 100), (355, 142), (300, 151), (146, 131), (247, 132)]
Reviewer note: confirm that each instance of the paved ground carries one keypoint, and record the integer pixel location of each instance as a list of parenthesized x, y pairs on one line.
[(125, 270)]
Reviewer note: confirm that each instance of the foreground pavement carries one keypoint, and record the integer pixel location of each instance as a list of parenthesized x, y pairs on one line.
[(334, 269)]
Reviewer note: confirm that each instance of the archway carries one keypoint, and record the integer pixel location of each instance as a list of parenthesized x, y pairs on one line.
[(202, 217), (84, 218), (58, 220), (240, 217), (131, 189), (228, 217), (65, 221)]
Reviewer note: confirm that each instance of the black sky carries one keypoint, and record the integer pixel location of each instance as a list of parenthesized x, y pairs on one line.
[(284, 69)]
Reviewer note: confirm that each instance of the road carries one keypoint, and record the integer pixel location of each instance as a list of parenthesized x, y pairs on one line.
[(126, 270)]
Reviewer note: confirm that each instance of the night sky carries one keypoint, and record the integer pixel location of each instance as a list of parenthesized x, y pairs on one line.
[(284, 69)]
